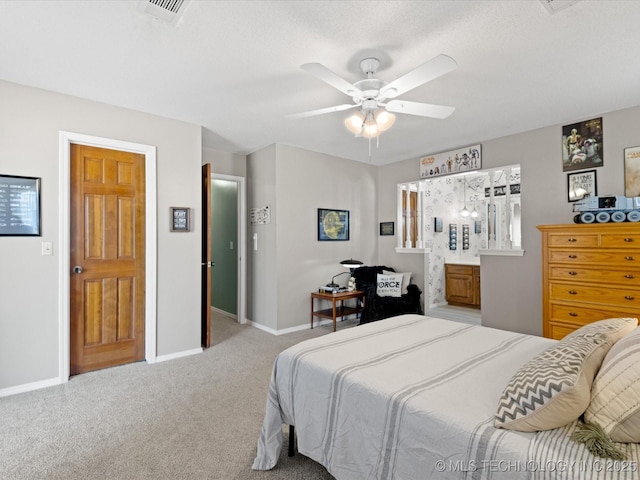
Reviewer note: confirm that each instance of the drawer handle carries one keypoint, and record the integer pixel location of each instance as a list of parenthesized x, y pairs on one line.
[(628, 275), (571, 240), (573, 256), (628, 297), (628, 240), (572, 292), (573, 273), (629, 258), (573, 314)]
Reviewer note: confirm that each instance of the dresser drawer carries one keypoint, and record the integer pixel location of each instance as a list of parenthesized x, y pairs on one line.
[(620, 241), (626, 298), (623, 278), (558, 331), (581, 315), (571, 240), (595, 257)]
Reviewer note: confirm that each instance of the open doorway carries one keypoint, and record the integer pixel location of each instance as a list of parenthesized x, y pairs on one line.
[(227, 241)]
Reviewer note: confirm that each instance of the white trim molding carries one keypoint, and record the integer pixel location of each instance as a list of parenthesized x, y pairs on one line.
[(151, 287)]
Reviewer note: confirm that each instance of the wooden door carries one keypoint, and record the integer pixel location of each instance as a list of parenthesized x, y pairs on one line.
[(206, 257), (107, 258)]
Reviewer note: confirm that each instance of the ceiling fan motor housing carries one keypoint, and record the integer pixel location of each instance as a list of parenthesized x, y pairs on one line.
[(369, 66)]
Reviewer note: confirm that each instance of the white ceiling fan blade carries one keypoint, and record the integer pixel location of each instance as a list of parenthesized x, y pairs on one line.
[(311, 113), (426, 72), (421, 109), (323, 73)]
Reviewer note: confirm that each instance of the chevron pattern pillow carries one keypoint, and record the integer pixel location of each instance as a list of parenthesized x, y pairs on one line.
[(554, 388)]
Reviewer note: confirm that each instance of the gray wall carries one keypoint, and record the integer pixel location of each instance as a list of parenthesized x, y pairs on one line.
[(511, 286), (262, 287), (290, 262), (29, 130), (225, 163)]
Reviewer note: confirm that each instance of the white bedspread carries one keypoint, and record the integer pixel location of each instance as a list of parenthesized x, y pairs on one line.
[(413, 398)]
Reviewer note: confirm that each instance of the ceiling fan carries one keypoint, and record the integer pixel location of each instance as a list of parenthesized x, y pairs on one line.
[(376, 99)]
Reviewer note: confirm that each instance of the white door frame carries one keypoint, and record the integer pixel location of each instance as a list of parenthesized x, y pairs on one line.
[(242, 242), (151, 241)]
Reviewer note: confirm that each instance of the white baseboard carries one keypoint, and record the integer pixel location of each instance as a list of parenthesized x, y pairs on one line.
[(28, 387), (173, 356), (225, 313), (284, 331)]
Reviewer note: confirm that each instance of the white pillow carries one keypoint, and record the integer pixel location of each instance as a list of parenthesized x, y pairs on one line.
[(615, 394), (554, 387), (389, 285), (406, 279)]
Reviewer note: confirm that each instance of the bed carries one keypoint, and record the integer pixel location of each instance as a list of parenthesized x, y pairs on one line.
[(414, 397)]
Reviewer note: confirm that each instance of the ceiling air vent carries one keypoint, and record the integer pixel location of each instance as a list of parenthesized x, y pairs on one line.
[(168, 11), (553, 6)]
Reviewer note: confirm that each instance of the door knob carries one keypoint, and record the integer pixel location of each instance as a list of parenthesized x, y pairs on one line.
[(77, 269)]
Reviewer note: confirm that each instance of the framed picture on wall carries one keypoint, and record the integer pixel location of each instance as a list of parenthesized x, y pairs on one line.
[(333, 225), (632, 172), (180, 219), (19, 206), (582, 145), (387, 228), (581, 184)]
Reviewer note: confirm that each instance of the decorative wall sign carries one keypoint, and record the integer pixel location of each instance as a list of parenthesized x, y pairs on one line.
[(387, 228), (501, 190), (632, 172), (260, 216), (581, 184), (180, 219), (454, 161), (333, 224), (582, 145), (19, 206)]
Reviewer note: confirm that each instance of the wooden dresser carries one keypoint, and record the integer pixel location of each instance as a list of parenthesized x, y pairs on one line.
[(589, 272)]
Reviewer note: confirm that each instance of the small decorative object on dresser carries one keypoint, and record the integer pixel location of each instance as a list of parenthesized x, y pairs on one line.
[(589, 272)]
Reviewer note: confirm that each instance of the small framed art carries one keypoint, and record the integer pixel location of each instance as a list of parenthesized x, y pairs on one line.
[(19, 206), (581, 184), (333, 225), (387, 228), (180, 219)]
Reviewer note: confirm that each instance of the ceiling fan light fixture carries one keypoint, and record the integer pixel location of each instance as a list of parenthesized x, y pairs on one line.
[(354, 123), (370, 129), (384, 119)]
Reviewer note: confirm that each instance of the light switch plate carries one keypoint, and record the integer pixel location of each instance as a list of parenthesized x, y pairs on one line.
[(47, 248)]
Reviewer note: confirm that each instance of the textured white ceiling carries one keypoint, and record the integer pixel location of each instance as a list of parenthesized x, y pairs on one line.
[(234, 66)]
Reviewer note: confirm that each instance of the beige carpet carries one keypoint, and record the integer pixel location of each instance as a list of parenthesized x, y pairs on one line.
[(192, 418)]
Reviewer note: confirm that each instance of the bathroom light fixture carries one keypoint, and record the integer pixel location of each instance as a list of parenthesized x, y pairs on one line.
[(465, 211)]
